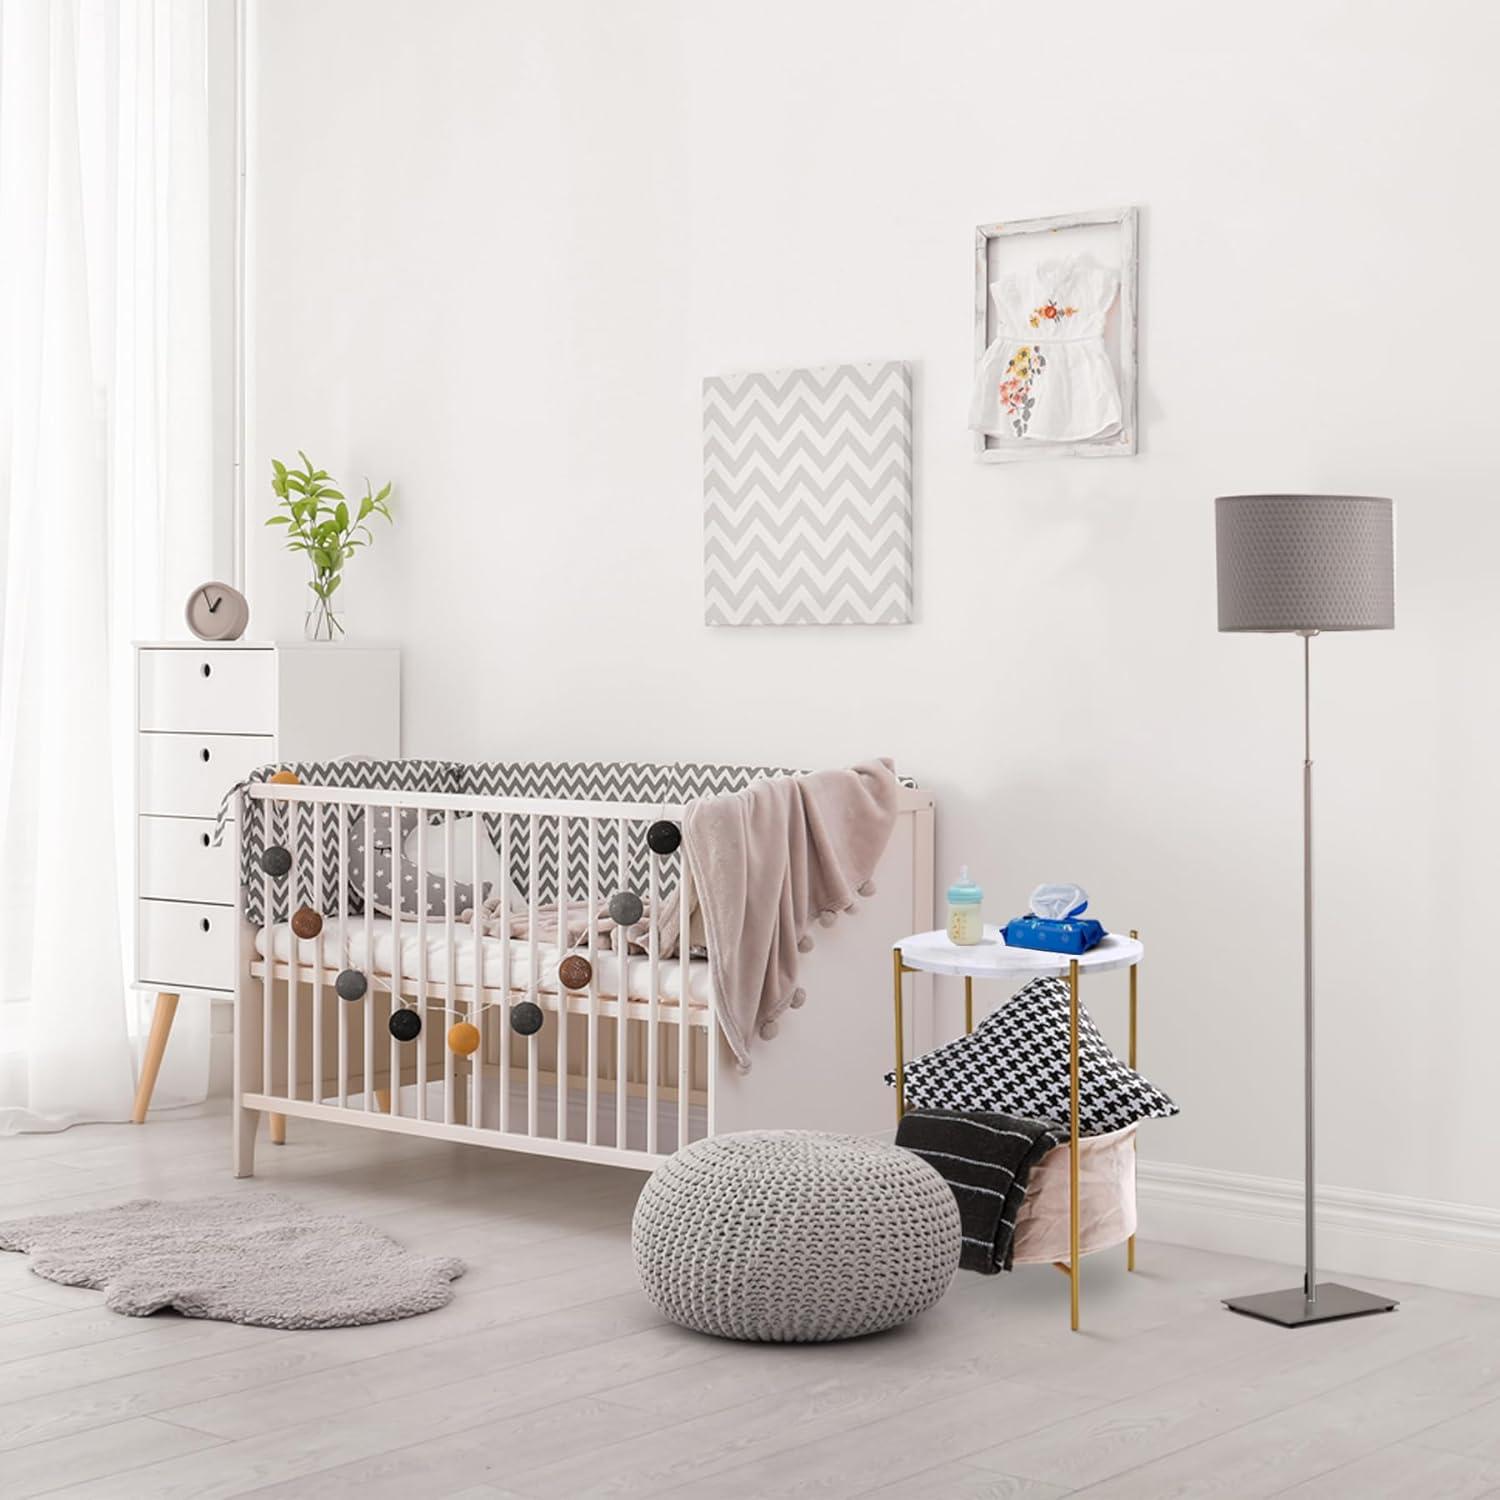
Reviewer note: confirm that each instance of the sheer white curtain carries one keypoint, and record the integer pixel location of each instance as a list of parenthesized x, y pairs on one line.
[(106, 519)]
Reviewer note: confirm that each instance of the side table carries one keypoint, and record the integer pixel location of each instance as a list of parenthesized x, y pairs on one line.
[(991, 958)]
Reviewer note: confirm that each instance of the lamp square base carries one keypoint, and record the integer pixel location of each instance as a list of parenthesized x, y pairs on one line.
[(1292, 1309)]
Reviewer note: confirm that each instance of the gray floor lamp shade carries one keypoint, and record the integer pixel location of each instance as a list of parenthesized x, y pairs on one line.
[(1305, 564)]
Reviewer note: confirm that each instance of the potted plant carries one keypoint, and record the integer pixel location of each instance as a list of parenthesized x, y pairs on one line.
[(320, 523)]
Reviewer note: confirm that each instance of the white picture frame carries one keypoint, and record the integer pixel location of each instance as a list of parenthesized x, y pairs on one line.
[(1111, 235)]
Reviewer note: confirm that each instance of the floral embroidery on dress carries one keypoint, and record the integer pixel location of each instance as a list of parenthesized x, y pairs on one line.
[(1050, 312), (1015, 390)]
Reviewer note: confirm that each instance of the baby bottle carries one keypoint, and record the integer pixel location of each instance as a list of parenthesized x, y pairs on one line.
[(964, 922)]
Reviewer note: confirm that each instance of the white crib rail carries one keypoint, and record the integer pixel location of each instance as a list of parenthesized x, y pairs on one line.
[(665, 1048)]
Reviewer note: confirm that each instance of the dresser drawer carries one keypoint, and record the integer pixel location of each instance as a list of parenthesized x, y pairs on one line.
[(208, 691), (180, 862), (186, 945), (186, 775)]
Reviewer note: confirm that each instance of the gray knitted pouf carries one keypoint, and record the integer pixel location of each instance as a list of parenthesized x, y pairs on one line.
[(793, 1236)]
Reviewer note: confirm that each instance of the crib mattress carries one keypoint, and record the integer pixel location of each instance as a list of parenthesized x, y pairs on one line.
[(1106, 1199), (350, 952)]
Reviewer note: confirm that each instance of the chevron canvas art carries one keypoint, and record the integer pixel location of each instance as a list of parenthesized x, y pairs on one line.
[(807, 496)]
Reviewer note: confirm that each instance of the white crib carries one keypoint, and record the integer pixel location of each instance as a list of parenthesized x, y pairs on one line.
[(612, 1077)]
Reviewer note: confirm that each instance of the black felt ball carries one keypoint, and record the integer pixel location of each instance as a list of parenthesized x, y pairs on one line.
[(526, 1018), (275, 861), (625, 908), (664, 838), (351, 985), (406, 1025)]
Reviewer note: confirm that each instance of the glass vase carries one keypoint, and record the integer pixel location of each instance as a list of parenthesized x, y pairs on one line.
[(324, 621)]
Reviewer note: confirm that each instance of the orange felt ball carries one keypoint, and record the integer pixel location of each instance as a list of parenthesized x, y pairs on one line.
[(286, 778), (463, 1038), (306, 922)]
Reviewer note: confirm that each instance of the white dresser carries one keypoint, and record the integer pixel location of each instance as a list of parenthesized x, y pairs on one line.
[(206, 714)]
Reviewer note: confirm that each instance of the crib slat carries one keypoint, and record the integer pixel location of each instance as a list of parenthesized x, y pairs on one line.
[(369, 926), (532, 990), (684, 995), (451, 988), (653, 1024), (319, 814), (421, 889), (561, 1066), (480, 1013), (622, 1026), (592, 1127), (344, 953), (505, 986), (268, 983), (294, 947), (393, 1047)]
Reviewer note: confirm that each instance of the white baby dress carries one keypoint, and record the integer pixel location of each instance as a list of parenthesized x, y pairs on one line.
[(1047, 376)]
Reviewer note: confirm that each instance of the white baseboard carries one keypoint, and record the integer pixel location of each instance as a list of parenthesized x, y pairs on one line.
[(1447, 1245)]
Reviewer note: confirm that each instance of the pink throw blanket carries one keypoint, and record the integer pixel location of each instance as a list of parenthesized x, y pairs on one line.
[(766, 862)]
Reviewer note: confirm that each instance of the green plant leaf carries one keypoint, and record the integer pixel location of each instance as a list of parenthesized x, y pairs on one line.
[(278, 520), (385, 491)]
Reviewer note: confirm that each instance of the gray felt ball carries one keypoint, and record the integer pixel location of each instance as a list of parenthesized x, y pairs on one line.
[(351, 985), (275, 861), (625, 908), (526, 1018)]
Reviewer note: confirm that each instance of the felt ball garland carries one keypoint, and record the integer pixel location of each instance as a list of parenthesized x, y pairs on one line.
[(463, 1038), (663, 838), (351, 985), (405, 1025), (526, 1018), (306, 922), (286, 778), (275, 861), (575, 972), (626, 908)]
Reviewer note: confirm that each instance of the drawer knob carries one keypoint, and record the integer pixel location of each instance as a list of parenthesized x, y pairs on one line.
[(208, 671), (205, 924), (204, 752)]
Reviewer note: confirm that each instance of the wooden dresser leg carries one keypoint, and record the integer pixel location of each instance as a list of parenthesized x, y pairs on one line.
[(156, 1045), (278, 1130)]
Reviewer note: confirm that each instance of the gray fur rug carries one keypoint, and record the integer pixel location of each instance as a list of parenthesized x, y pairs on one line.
[(255, 1258)]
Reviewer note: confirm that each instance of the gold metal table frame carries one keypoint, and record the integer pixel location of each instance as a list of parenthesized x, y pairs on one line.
[(1072, 1270)]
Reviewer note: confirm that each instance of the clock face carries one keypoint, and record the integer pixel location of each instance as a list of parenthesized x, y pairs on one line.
[(216, 612)]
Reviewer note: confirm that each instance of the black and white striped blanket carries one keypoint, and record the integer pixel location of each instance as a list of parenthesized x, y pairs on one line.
[(986, 1160)]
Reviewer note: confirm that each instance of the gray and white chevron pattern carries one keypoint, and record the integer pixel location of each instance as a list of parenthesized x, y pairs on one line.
[(595, 781), (807, 496)]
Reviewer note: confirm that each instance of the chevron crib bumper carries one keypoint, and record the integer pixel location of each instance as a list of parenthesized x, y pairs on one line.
[(584, 781)]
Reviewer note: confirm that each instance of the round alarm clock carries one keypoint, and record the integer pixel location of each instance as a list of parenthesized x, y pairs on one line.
[(216, 612)]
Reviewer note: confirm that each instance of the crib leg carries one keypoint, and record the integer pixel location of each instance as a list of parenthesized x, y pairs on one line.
[(246, 1123), (278, 1130), (156, 1045)]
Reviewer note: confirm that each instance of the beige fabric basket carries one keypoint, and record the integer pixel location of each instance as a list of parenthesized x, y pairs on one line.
[(1106, 1199)]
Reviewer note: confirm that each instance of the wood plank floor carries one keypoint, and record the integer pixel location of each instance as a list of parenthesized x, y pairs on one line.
[(549, 1376)]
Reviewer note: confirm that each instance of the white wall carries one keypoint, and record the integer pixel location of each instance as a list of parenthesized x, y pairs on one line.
[(496, 246)]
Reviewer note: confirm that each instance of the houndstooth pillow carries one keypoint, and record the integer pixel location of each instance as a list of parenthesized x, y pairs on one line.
[(1016, 1063)]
